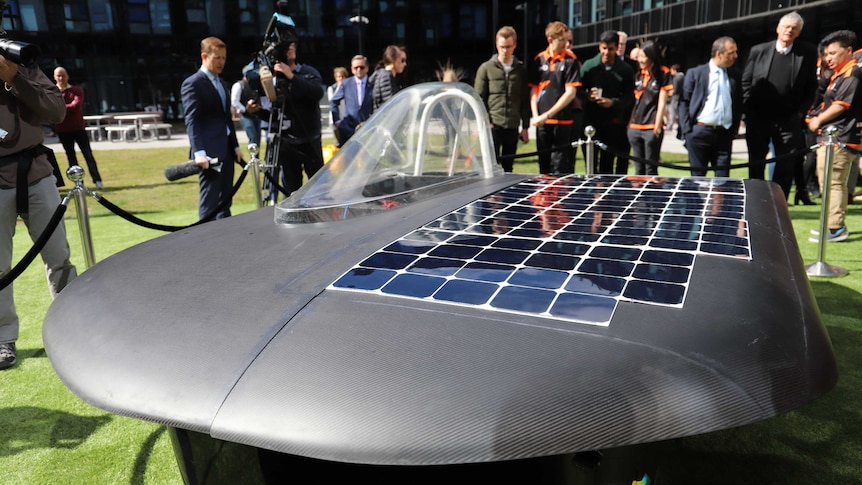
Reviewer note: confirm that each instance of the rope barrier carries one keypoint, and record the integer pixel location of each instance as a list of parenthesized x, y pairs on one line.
[(160, 227), (28, 258), (544, 150)]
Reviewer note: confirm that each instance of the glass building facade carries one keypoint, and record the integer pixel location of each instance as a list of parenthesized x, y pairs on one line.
[(129, 54)]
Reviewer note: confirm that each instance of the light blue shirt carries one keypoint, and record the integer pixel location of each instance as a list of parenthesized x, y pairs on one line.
[(718, 108)]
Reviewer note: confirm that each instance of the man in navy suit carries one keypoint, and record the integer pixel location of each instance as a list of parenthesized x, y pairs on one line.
[(356, 94), (710, 110), (206, 99)]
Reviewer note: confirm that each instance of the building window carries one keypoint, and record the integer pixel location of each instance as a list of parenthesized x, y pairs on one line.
[(601, 10), (76, 17), (576, 13), (101, 16), (161, 17), (474, 19), (139, 17), (26, 15)]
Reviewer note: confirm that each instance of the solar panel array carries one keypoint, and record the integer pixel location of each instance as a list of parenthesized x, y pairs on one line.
[(568, 248)]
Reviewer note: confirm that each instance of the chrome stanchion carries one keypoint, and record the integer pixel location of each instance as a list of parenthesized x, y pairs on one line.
[(820, 267), (590, 151), (253, 149), (76, 174)]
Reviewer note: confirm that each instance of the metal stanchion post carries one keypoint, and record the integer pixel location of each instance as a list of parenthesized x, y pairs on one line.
[(821, 268), (590, 155), (253, 149), (76, 174)]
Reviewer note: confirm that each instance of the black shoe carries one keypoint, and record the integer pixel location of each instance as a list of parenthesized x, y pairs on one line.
[(7, 355), (803, 197)]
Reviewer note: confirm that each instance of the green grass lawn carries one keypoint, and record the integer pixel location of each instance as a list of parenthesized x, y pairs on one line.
[(48, 435)]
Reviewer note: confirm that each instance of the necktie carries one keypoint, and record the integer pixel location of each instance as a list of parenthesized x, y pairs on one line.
[(220, 89), (359, 91), (724, 118)]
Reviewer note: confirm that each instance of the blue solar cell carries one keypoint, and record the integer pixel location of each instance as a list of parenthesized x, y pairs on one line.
[(388, 261), (559, 247), (584, 308), (455, 251), (552, 261), (657, 272), (414, 285), (472, 240), (364, 279), (677, 244), (493, 273), (606, 267), (468, 292), (502, 256), (595, 284), (410, 247), (520, 299), (655, 292), (538, 278), (436, 266), (668, 257), (725, 250), (517, 243), (616, 252)]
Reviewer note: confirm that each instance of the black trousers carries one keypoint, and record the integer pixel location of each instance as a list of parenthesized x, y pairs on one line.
[(68, 141), (505, 144), (559, 160), (785, 135)]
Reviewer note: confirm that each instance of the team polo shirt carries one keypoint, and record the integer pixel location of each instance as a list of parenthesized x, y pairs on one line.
[(551, 74), (647, 89), (842, 89)]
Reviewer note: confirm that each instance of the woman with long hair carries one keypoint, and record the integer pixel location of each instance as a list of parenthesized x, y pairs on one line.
[(384, 82), (646, 126)]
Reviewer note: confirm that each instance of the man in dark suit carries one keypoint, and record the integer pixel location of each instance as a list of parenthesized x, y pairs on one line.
[(710, 110), (356, 94), (778, 87), (211, 132)]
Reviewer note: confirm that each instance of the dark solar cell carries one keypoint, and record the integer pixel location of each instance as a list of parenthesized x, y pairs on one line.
[(417, 286), (538, 278), (490, 272), (364, 279), (388, 261), (436, 266), (655, 292), (565, 247), (455, 251), (526, 300), (469, 292)]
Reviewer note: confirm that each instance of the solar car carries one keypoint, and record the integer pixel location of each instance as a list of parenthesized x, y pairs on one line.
[(413, 313)]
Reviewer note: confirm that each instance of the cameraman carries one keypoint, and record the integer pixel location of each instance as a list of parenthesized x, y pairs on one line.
[(28, 186), (300, 89)]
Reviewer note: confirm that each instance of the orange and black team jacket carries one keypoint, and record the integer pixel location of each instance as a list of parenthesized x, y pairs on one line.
[(647, 89), (844, 89), (550, 74)]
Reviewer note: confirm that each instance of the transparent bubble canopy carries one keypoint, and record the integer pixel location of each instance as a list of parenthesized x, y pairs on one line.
[(427, 139)]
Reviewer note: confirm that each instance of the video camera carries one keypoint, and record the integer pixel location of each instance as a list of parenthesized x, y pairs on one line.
[(20, 53), (280, 32)]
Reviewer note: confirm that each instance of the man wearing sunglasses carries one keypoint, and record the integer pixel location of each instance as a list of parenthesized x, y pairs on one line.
[(355, 91)]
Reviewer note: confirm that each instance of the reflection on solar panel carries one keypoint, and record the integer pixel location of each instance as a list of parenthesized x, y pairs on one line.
[(568, 248)]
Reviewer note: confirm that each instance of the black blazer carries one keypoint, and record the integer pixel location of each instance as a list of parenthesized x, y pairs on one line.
[(695, 91), (758, 98), (208, 119)]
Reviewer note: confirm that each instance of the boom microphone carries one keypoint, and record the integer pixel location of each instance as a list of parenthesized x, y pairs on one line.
[(187, 169)]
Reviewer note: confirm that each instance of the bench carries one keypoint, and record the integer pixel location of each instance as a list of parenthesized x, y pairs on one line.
[(123, 132), (157, 130)]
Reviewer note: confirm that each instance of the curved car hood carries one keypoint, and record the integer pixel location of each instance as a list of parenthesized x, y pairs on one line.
[(234, 329)]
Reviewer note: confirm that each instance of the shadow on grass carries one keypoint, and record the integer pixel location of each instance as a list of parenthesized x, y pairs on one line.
[(143, 457), (27, 428)]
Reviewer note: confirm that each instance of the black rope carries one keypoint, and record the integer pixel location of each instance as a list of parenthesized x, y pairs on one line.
[(537, 152), (28, 258), (160, 227), (274, 183)]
